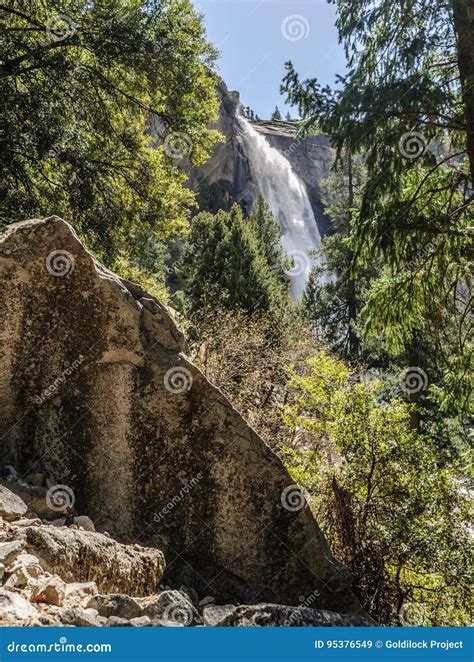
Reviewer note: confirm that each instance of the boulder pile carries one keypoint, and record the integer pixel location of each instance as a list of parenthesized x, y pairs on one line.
[(57, 574)]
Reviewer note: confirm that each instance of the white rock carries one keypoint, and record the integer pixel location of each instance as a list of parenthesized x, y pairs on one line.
[(27, 560), (81, 617), (116, 604), (17, 579), (13, 606), (51, 591), (11, 506), (10, 550), (84, 522), (24, 570), (28, 522), (140, 621), (80, 592), (213, 614)]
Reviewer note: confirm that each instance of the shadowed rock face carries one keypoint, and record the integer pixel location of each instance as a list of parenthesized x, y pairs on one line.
[(311, 158), (97, 394)]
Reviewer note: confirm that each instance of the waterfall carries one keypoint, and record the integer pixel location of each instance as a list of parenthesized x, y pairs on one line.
[(288, 200)]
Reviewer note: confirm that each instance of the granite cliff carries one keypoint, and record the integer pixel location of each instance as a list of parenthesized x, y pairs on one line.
[(311, 159)]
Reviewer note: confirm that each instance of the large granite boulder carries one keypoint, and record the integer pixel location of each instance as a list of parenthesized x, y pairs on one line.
[(85, 556), (98, 395), (265, 615)]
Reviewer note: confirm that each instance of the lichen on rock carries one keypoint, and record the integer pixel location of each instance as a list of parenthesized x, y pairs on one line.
[(99, 395)]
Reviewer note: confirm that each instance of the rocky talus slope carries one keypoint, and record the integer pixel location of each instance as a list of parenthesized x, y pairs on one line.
[(104, 416), (52, 573)]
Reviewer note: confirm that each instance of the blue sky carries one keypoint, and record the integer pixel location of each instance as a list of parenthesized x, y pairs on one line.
[(256, 37)]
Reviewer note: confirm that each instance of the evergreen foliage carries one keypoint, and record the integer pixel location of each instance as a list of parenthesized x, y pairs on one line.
[(81, 83), (235, 262), (276, 115), (394, 517), (406, 104)]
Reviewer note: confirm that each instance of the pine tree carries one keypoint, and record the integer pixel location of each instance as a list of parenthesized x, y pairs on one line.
[(411, 116), (276, 115), (225, 263), (334, 298), (269, 234)]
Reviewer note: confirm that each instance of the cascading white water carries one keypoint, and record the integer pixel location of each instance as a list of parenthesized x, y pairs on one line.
[(288, 200)]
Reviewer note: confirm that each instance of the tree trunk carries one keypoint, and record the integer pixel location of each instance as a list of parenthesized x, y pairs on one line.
[(354, 342), (463, 19)]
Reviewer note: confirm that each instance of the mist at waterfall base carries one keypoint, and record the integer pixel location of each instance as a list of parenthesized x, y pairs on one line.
[(288, 200)]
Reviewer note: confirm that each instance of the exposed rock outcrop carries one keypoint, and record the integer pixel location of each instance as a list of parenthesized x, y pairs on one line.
[(98, 395), (265, 615), (76, 555), (228, 168), (311, 158), (11, 506), (43, 563), (36, 590)]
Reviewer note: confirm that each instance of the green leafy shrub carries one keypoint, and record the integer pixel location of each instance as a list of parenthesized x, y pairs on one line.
[(391, 514)]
